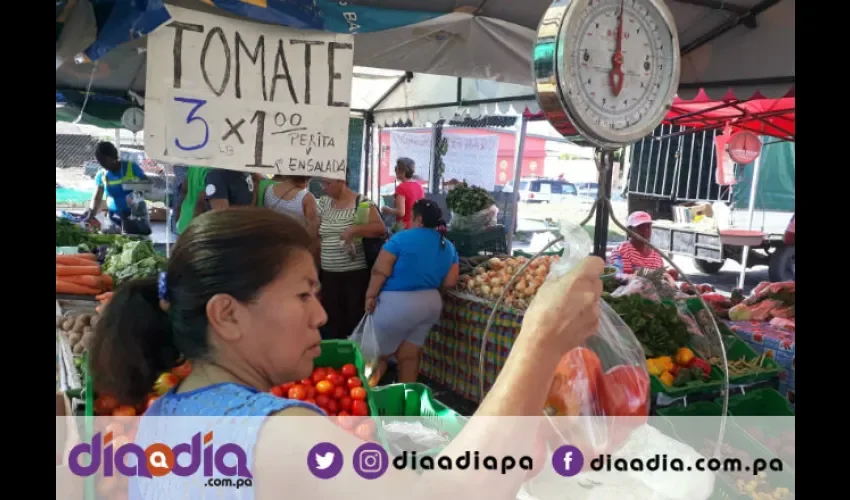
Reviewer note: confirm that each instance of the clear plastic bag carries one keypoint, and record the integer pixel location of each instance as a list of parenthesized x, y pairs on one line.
[(478, 221), (606, 378), (366, 339)]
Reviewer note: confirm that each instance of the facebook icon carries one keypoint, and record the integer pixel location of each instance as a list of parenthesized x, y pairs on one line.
[(567, 461)]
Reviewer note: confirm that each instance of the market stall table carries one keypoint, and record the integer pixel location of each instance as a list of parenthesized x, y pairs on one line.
[(776, 343)]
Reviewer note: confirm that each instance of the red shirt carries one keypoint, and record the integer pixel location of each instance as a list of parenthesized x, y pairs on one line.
[(632, 259), (412, 192)]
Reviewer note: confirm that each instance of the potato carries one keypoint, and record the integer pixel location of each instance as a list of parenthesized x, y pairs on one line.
[(60, 320), (78, 349), (78, 325), (68, 324), (74, 338), (87, 340), (85, 318), (94, 320)]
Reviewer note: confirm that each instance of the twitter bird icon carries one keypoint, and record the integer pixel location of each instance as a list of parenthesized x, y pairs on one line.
[(324, 460)]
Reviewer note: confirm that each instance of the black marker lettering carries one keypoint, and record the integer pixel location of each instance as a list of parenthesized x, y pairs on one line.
[(308, 60), (280, 62), (332, 74), (259, 53), (226, 77), (178, 48)]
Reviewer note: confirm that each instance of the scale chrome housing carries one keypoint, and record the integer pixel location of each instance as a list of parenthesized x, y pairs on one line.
[(553, 78)]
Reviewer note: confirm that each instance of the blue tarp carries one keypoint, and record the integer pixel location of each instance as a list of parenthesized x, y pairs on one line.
[(121, 21)]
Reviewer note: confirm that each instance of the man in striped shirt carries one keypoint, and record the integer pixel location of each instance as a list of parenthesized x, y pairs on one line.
[(633, 254)]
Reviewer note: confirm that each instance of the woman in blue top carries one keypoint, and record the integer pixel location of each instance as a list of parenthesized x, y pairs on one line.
[(404, 291), (239, 300), (110, 180)]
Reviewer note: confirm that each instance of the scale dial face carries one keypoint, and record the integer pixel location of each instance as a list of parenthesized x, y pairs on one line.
[(616, 67), (133, 119)]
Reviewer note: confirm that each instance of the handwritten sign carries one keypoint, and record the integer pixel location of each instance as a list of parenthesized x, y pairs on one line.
[(416, 146), (243, 96), (472, 158)]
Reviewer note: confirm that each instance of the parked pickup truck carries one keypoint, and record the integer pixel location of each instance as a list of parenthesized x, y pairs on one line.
[(673, 167)]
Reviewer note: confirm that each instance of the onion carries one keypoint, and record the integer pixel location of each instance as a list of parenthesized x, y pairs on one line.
[(495, 263), (485, 289)]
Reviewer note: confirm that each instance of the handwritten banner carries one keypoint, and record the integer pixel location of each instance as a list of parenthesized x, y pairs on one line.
[(472, 158), (416, 146), (232, 94)]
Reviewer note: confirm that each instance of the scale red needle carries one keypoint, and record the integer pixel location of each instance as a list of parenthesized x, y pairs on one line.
[(615, 77)]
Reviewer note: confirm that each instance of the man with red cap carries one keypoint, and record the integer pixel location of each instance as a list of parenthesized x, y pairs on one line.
[(634, 254)]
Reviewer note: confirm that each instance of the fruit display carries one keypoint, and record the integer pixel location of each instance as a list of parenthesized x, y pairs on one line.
[(81, 275), (107, 405), (680, 370), (488, 281), (339, 392), (767, 302)]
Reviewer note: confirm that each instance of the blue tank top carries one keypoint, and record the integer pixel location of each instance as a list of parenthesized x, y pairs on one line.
[(237, 413)]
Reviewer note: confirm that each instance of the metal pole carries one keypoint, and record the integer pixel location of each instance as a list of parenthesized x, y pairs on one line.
[(750, 214), (519, 153), (604, 162), (169, 216)]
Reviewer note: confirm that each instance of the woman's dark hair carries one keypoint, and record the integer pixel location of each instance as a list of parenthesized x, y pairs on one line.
[(432, 216), (407, 167), (296, 179), (106, 148), (234, 251)]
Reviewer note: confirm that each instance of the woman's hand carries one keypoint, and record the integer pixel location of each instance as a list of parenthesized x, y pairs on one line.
[(387, 210), (565, 311), (370, 304)]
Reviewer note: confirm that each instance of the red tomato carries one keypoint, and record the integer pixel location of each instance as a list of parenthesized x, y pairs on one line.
[(319, 374), (311, 401), (182, 371), (332, 407), (358, 393), (337, 379), (575, 383), (124, 411), (348, 370), (329, 371), (105, 405), (324, 387), (353, 382), (287, 386), (322, 401), (311, 392), (298, 392), (359, 408), (345, 403), (331, 414), (164, 383), (366, 430), (307, 382), (625, 392), (343, 413), (339, 393)]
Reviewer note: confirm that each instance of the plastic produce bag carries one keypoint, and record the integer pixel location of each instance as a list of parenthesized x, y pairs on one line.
[(478, 221), (606, 378), (366, 339)]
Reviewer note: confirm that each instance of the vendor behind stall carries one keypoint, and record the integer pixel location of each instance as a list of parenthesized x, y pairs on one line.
[(634, 254), (111, 180)]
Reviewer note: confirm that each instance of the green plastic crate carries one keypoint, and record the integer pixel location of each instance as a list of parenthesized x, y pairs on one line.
[(714, 383), (415, 400), (760, 403), (336, 353), (737, 349), (697, 409), (491, 241)]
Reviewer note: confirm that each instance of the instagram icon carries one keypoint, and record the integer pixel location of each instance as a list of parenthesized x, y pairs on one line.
[(370, 461)]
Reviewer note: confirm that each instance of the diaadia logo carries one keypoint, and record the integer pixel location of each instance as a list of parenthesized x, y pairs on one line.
[(158, 459)]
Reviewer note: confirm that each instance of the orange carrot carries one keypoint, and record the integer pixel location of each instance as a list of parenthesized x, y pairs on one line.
[(86, 256), (108, 282), (104, 297), (74, 289), (77, 270), (89, 281), (73, 260)]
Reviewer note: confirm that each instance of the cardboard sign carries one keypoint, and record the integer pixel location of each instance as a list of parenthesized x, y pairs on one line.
[(231, 94)]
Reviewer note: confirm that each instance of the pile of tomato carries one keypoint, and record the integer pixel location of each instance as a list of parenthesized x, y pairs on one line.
[(106, 405), (337, 391)]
